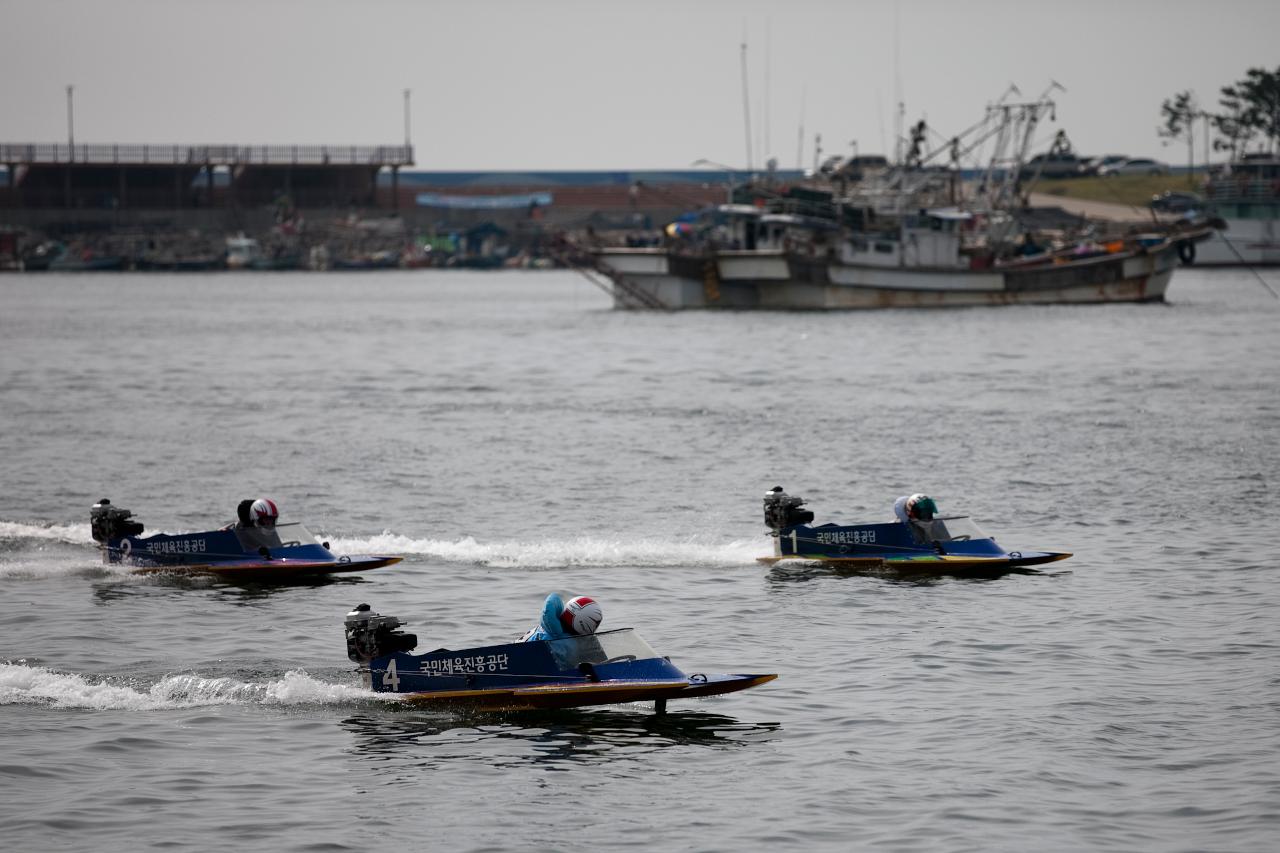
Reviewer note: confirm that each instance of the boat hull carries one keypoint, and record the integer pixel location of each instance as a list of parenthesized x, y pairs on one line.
[(942, 545), (789, 281), (931, 563), (283, 568), (556, 696), (282, 553), (1252, 242), (605, 668)]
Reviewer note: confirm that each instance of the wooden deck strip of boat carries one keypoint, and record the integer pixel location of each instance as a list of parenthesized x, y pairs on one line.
[(551, 695), (281, 567), (923, 563)]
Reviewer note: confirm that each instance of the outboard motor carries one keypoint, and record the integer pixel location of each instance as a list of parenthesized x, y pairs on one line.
[(781, 510), (112, 522), (372, 636)]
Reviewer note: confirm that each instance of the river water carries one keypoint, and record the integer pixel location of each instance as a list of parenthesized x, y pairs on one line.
[(511, 435)]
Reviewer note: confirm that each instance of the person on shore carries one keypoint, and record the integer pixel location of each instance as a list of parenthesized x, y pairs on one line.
[(578, 617)]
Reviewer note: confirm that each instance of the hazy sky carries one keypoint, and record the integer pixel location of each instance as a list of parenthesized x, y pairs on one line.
[(570, 84)]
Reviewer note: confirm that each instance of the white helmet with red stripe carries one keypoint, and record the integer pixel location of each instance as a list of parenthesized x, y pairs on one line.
[(581, 616), (263, 513)]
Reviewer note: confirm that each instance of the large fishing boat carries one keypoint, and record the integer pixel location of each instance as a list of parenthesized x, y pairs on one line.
[(1246, 196), (915, 236)]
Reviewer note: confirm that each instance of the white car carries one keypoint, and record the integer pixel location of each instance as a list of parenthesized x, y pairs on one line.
[(1094, 164), (1137, 166)]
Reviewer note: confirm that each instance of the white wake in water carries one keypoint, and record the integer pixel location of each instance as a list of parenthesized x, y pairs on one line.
[(560, 553), (655, 552), (33, 551), (69, 534), (33, 685)]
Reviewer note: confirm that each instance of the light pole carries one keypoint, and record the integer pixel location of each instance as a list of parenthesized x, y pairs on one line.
[(406, 121), (729, 171), (71, 124)]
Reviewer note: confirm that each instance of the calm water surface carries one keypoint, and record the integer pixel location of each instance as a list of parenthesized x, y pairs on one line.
[(511, 435)]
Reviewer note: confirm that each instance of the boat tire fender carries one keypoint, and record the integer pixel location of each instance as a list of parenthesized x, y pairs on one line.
[(1187, 252)]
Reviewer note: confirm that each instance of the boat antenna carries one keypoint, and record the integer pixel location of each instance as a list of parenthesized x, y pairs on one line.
[(1053, 84), (767, 144), (804, 92), (884, 146), (746, 100), (897, 87)]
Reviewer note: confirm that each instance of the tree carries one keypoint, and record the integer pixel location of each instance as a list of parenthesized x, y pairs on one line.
[(1253, 107), (1180, 113)]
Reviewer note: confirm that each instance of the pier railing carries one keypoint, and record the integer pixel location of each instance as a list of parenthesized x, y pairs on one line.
[(1245, 190), (206, 155)]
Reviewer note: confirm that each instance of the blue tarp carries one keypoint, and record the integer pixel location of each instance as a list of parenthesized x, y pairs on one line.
[(484, 202)]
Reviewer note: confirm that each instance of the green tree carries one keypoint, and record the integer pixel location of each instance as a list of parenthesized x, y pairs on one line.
[(1179, 114), (1253, 108)]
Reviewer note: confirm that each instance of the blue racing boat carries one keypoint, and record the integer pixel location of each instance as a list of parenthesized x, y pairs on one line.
[(603, 668), (943, 544), (279, 552)]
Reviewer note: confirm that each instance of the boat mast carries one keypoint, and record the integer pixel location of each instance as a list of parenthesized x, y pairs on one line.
[(1017, 126), (746, 101), (804, 92), (766, 143)]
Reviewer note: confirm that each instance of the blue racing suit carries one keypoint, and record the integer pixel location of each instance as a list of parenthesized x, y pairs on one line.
[(549, 627)]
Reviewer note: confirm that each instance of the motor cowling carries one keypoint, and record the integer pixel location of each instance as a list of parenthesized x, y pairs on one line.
[(112, 522), (370, 635), (782, 510)]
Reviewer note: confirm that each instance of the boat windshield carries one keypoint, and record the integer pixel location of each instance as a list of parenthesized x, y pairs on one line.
[(280, 536), (599, 648), (956, 528)]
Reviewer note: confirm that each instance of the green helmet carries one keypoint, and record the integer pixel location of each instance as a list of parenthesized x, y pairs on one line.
[(921, 507)]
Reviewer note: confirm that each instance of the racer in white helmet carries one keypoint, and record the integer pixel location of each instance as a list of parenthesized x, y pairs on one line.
[(915, 507), (263, 513), (578, 617)]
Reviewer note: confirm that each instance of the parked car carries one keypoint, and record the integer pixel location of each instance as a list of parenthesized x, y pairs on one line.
[(1091, 165), (1176, 202), (1052, 166), (1137, 166)]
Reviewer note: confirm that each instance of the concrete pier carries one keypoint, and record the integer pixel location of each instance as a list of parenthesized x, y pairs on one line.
[(177, 177)]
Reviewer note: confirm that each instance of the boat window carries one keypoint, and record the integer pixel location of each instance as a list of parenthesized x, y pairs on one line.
[(600, 647), (884, 248), (956, 528), (292, 533)]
